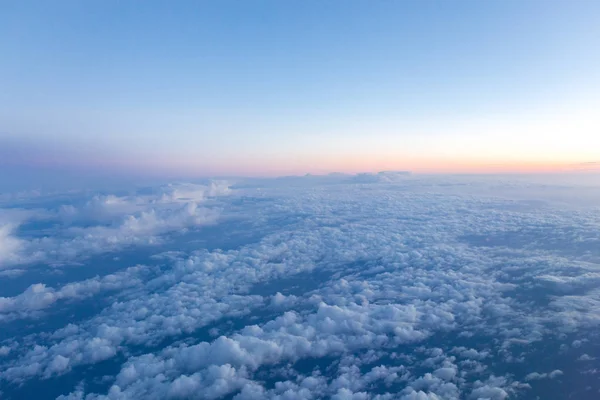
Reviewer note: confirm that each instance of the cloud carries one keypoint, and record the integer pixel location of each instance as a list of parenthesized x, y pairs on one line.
[(108, 222), (549, 375), (381, 177), (38, 296), (586, 357), (349, 291), (10, 246)]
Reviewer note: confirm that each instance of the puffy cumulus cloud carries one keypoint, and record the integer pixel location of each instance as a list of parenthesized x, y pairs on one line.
[(214, 382), (420, 395), (100, 208), (10, 246), (586, 357), (408, 288), (11, 273), (468, 353), (569, 284), (489, 392), (194, 192), (39, 296), (576, 311), (496, 388), (549, 375), (4, 351), (142, 228), (110, 207), (35, 297), (279, 300), (108, 222)]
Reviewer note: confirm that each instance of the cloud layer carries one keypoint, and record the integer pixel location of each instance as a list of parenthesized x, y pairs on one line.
[(337, 287)]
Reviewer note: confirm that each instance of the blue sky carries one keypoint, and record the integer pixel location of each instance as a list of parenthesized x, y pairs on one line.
[(275, 87)]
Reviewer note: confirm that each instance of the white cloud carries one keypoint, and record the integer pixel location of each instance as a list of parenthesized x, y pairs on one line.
[(38, 296), (586, 357), (10, 246), (546, 375), (108, 223), (357, 291), (4, 351)]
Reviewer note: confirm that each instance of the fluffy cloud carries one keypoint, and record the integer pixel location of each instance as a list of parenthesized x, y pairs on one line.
[(109, 222), (39, 296), (549, 375), (411, 288), (10, 246)]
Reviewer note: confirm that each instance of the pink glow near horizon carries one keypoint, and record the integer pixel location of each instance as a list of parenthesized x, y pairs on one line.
[(291, 164), (356, 165)]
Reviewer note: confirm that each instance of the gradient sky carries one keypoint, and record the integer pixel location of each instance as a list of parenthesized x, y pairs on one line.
[(201, 88)]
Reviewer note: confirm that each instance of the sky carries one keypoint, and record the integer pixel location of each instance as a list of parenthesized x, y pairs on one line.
[(260, 88)]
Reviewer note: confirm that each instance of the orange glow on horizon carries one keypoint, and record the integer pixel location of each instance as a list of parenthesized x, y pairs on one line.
[(272, 166), (276, 166)]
